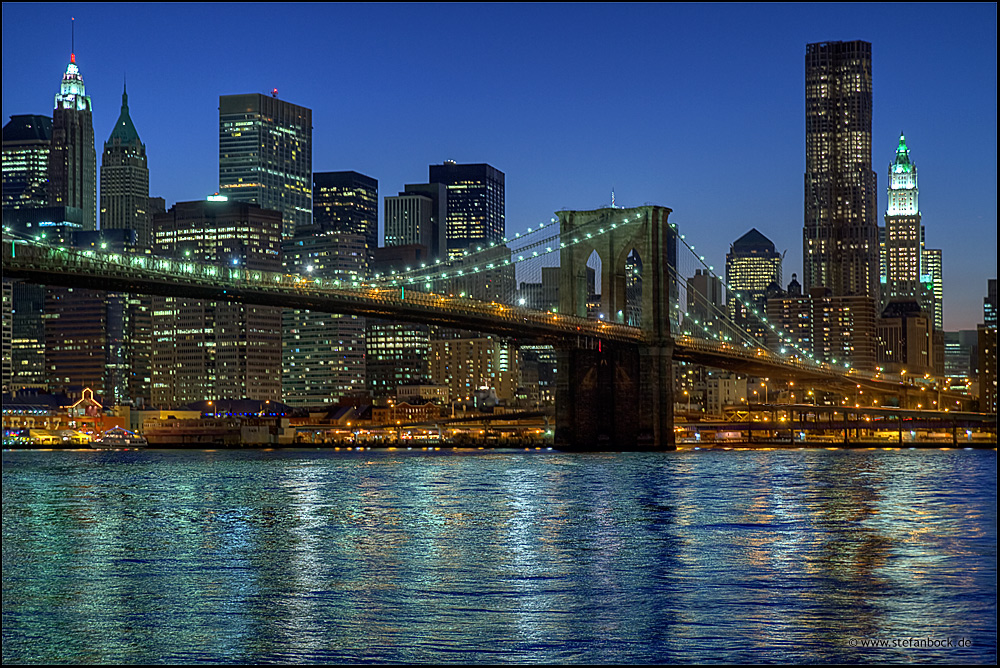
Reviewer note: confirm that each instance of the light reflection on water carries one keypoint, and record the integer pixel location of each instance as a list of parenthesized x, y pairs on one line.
[(487, 557)]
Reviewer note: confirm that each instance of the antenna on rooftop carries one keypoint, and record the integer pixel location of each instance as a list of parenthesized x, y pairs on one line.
[(72, 39)]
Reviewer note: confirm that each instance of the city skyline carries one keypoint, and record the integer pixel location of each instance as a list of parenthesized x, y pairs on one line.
[(653, 113)]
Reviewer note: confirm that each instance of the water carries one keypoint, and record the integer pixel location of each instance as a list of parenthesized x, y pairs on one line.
[(498, 557)]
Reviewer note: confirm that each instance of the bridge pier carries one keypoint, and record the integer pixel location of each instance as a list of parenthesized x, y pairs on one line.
[(618, 396), (615, 398)]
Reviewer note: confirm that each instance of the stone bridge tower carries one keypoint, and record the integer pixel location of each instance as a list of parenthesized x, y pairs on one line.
[(618, 396)]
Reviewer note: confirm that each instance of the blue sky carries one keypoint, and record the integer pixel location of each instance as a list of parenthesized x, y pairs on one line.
[(698, 107)]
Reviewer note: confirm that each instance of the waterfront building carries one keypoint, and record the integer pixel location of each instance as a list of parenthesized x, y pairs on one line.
[(27, 140), (265, 155), (347, 203), (125, 180), (987, 345), (752, 266), (475, 207), (95, 338), (8, 333), (208, 350), (840, 234), (323, 354), (397, 354), (72, 168), (466, 364), (57, 225)]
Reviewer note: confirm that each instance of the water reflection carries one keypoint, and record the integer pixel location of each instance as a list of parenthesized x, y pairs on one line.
[(142, 557)]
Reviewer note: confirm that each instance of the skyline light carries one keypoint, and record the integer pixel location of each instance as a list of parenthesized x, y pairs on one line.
[(570, 102)]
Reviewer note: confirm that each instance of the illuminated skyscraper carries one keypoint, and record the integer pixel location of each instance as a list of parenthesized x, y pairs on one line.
[(265, 155), (418, 215), (840, 235), (323, 354), (347, 203), (72, 158), (26, 142), (205, 349), (125, 180), (903, 237), (475, 204), (752, 266)]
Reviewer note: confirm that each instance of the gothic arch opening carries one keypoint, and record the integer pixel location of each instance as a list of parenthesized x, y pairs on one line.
[(593, 290)]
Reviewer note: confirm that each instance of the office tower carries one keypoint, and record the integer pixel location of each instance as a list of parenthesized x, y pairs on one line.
[(57, 226), (987, 343), (26, 142), (933, 285), (418, 215), (752, 266), (213, 349), (72, 158), (8, 333), (323, 354), (840, 235), (903, 232), (990, 304), (397, 354), (475, 215), (705, 293), (960, 358), (470, 363), (906, 339), (835, 330), (265, 155), (125, 180), (347, 203)]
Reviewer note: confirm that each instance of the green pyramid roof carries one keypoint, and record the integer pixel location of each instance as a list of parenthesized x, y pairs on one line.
[(124, 128)]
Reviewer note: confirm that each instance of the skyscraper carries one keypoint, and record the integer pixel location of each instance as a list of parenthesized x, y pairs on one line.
[(323, 354), (752, 266), (903, 238), (265, 155), (475, 204), (840, 235), (72, 158), (347, 203), (26, 142), (418, 215), (205, 349), (125, 180)]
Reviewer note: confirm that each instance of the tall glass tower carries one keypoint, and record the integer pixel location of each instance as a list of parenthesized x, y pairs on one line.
[(265, 156), (26, 142), (840, 235), (475, 204)]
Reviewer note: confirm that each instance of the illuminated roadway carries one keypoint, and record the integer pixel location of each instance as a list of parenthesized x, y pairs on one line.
[(146, 274)]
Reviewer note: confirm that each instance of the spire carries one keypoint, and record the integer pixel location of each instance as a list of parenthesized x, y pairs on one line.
[(902, 162), (124, 131), (72, 93)]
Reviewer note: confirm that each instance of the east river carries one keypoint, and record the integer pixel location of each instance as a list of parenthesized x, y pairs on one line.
[(478, 556)]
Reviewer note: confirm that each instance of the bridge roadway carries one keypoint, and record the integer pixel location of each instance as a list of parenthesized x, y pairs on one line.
[(146, 274)]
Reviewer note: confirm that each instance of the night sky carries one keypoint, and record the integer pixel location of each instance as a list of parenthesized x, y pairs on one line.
[(696, 107)]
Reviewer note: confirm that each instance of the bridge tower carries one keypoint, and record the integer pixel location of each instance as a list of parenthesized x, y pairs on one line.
[(617, 396)]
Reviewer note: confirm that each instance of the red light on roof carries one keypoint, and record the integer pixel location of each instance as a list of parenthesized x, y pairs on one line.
[(274, 92), (72, 58)]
